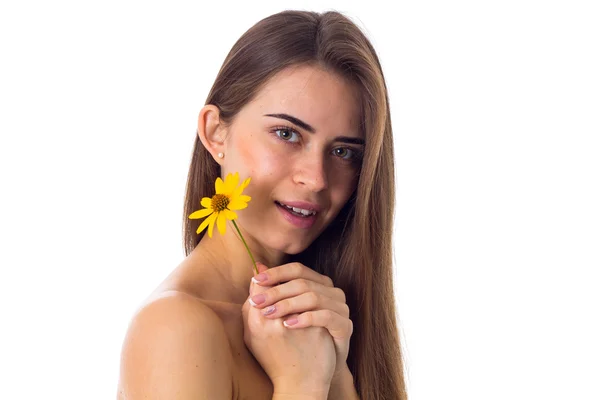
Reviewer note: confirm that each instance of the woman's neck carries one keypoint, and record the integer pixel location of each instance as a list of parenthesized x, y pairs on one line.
[(224, 259)]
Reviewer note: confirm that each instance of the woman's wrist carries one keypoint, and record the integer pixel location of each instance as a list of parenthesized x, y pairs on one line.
[(342, 386), (296, 391), (287, 396)]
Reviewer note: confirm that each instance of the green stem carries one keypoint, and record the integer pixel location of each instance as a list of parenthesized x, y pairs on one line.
[(245, 244)]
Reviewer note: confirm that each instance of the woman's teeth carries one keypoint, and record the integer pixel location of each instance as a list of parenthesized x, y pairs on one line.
[(300, 211)]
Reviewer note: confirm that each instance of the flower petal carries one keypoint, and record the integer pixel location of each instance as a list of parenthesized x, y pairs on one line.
[(229, 214), (245, 183), (206, 202), (221, 223), (238, 191), (231, 182), (200, 213), (237, 204), (211, 224), (219, 186), (206, 222)]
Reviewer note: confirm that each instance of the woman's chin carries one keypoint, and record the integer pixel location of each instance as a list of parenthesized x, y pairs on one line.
[(293, 249)]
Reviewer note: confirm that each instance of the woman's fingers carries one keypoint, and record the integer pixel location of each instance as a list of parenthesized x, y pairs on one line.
[(295, 288), (287, 272), (305, 302), (261, 268), (255, 290), (338, 326)]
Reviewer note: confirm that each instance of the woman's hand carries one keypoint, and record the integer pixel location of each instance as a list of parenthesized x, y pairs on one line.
[(298, 361), (310, 298)]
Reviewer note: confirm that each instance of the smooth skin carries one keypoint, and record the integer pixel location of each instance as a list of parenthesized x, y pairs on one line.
[(176, 348), (198, 336), (284, 353), (321, 311), (297, 291)]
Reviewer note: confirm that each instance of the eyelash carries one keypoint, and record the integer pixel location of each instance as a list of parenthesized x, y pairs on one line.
[(285, 128), (356, 154)]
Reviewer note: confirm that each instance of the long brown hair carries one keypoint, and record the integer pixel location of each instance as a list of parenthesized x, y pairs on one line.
[(355, 251)]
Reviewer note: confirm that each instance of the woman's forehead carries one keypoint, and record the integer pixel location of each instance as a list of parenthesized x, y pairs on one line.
[(322, 99)]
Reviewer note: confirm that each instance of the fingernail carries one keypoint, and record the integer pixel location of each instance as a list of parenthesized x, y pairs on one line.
[(259, 278), (291, 321), (258, 299), (269, 310)]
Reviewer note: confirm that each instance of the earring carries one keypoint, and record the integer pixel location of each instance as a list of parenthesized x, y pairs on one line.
[(220, 155)]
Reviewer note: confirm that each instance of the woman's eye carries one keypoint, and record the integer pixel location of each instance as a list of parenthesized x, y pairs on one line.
[(287, 134), (344, 152)]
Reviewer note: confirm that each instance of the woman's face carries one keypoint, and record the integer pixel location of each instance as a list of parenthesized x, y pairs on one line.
[(299, 140)]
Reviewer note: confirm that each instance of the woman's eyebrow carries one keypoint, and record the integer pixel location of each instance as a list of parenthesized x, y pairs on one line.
[(351, 140), (293, 120), (307, 127)]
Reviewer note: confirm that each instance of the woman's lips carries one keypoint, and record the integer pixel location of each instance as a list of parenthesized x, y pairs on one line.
[(296, 220)]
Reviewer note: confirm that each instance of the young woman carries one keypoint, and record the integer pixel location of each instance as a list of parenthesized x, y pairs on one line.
[(299, 106)]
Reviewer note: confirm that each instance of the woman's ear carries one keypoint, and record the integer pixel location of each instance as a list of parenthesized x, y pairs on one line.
[(211, 131)]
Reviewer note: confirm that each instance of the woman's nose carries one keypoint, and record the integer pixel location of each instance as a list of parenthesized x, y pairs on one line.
[(311, 173)]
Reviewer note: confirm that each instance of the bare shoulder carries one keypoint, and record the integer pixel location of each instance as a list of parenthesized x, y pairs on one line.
[(176, 347)]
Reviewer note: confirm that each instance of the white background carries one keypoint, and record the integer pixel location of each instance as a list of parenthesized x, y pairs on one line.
[(496, 114)]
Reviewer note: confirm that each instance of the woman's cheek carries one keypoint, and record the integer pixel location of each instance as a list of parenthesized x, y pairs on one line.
[(269, 160), (274, 163)]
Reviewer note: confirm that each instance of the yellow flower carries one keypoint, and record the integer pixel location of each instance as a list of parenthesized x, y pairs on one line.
[(220, 207)]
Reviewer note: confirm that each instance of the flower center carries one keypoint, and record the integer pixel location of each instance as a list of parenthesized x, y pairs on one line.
[(219, 202)]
